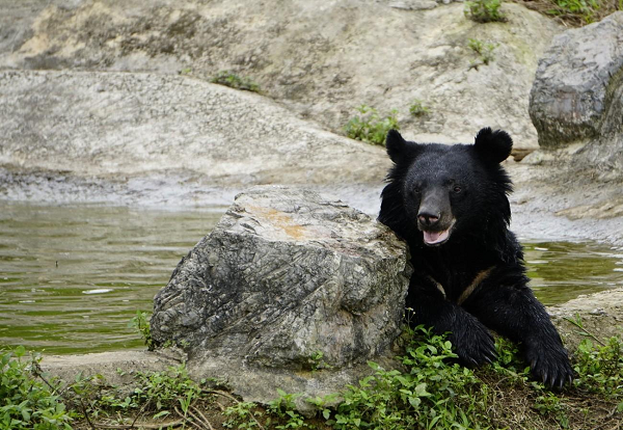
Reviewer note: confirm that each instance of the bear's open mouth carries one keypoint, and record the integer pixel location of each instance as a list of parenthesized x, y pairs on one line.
[(436, 237)]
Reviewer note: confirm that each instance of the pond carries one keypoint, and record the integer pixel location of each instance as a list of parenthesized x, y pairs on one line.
[(72, 277)]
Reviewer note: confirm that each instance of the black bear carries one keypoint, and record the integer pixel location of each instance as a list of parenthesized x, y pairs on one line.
[(450, 203)]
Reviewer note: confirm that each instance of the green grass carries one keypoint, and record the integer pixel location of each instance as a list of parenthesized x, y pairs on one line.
[(576, 13), (231, 79), (369, 126), (484, 11), (586, 11)]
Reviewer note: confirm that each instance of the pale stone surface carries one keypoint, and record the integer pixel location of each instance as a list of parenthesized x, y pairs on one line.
[(115, 125), (577, 81), (321, 58)]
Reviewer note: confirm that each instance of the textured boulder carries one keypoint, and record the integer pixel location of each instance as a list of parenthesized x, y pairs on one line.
[(578, 83), (286, 278)]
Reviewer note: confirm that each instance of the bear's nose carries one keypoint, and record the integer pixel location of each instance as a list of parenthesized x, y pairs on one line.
[(428, 219)]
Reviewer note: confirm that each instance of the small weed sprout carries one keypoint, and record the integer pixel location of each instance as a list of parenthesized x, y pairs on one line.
[(418, 108), (241, 415), (483, 50), (370, 127), (284, 408), (316, 361), (140, 323), (549, 404), (232, 80), (484, 11)]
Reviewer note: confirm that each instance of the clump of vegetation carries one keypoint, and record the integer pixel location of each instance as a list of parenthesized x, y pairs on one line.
[(140, 323), (585, 10), (26, 402), (600, 367), (370, 127), (484, 50), (484, 11), (232, 80), (317, 362), (243, 415), (576, 12), (433, 391), (418, 108)]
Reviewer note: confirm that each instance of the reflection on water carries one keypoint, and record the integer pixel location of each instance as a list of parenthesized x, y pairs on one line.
[(561, 271), (72, 277)]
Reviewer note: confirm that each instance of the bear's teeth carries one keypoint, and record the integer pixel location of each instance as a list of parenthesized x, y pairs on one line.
[(433, 237)]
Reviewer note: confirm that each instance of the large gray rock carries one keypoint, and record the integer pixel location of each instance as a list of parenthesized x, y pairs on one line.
[(120, 125), (578, 87), (285, 276)]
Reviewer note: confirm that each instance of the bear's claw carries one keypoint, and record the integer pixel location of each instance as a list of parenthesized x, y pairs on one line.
[(473, 343), (550, 364)]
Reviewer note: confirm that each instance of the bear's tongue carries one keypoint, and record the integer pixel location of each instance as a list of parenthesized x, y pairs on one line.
[(433, 237)]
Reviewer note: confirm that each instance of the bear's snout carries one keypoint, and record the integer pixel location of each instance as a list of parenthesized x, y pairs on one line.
[(434, 216), (428, 220)]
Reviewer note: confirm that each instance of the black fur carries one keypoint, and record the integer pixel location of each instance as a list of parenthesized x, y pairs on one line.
[(458, 195)]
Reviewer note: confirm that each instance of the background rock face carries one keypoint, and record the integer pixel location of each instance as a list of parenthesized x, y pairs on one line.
[(577, 91), (118, 124), (322, 58), (284, 276)]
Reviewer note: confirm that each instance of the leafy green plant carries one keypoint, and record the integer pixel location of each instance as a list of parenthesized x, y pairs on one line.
[(370, 127), (316, 361), (165, 390), (232, 80), (284, 407), (586, 10), (418, 108), (599, 365), (242, 415), (600, 368), (433, 392), (140, 323), (482, 49), (322, 404), (484, 11), (551, 405), (509, 363), (26, 402)]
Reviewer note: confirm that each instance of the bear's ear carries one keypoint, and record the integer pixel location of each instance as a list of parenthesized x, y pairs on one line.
[(399, 149), (493, 146)]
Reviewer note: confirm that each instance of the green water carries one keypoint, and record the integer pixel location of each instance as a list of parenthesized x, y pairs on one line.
[(72, 277)]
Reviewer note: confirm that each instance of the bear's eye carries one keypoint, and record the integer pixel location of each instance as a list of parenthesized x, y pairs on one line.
[(457, 189), (416, 190)]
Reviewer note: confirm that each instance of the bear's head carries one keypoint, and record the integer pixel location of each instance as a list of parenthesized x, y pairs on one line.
[(439, 193)]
